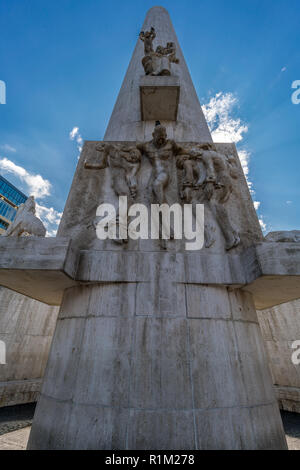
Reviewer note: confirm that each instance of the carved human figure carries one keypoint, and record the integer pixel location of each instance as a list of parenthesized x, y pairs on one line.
[(194, 173), (159, 151), (193, 180), (124, 163), (157, 62), (219, 173), (170, 50), (147, 38), (211, 172), (26, 222)]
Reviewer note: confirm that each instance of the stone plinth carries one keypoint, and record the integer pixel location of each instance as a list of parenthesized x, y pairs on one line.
[(159, 98)]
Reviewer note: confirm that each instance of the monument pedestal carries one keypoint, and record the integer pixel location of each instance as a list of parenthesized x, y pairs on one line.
[(159, 98), (158, 365), (161, 363)]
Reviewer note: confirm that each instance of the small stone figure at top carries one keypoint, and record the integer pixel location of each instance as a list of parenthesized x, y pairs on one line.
[(157, 62), (147, 38)]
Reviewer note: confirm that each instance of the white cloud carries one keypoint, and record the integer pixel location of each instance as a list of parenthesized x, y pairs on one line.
[(50, 217), (37, 185), (262, 224), (283, 69), (289, 202), (74, 132), (75, 135), (256, 205), (8, 148), (224, 128)]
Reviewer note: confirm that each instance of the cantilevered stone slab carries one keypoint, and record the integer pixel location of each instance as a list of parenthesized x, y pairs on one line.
[(272, 272), (41, 268)]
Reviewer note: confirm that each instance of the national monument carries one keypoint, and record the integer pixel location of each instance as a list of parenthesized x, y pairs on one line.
[(156, 347)]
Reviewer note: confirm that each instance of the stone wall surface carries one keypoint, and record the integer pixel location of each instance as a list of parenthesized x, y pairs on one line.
[(280, 327), (26, 327), (185, 370)]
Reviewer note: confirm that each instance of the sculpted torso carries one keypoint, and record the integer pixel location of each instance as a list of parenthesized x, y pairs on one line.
[(159, 151)]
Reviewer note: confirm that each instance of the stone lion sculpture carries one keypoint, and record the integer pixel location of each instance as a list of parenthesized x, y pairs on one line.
[(26, 223)]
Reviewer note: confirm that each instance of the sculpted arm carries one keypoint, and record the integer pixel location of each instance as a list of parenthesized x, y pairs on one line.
[(178, 149), (141, 147), (153, 33)]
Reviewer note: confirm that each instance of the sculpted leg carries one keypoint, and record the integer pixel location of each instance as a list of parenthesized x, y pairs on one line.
[(159, 186), (232, 238)]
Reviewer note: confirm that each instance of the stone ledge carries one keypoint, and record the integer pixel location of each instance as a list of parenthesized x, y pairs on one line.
[(17, 392), (272, 271), (288, 398), (40, 268), (189, 268)]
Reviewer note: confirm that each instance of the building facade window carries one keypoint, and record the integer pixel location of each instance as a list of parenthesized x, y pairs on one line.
[(10, 199), (9, 191)]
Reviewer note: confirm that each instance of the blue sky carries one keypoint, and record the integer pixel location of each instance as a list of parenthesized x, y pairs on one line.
[(63, 62)]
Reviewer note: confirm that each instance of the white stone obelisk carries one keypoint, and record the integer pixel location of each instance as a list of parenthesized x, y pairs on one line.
[(125, 122), (157, 348)]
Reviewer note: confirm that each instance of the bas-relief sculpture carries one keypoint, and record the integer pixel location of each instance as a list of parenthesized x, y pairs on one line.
[(157, 62), (124, 158), (208, 178), (159, 151), (204, 176), (26, 223)]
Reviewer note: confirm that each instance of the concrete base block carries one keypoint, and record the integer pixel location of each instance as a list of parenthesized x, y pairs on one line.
[(182, 376)]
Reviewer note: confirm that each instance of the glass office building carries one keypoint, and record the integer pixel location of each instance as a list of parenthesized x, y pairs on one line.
[(10, 199)]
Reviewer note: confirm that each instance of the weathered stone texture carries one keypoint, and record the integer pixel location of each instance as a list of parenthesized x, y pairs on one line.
[(116, 383), (280, 328), (26, 327)]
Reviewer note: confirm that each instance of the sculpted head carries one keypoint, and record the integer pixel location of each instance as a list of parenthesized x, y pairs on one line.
[(159, 135), (208, 146), (134, 155), (160, 50), (195, 152), (148, 34)]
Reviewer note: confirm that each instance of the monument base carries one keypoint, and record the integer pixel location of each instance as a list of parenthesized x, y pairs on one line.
[(157, 365)]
